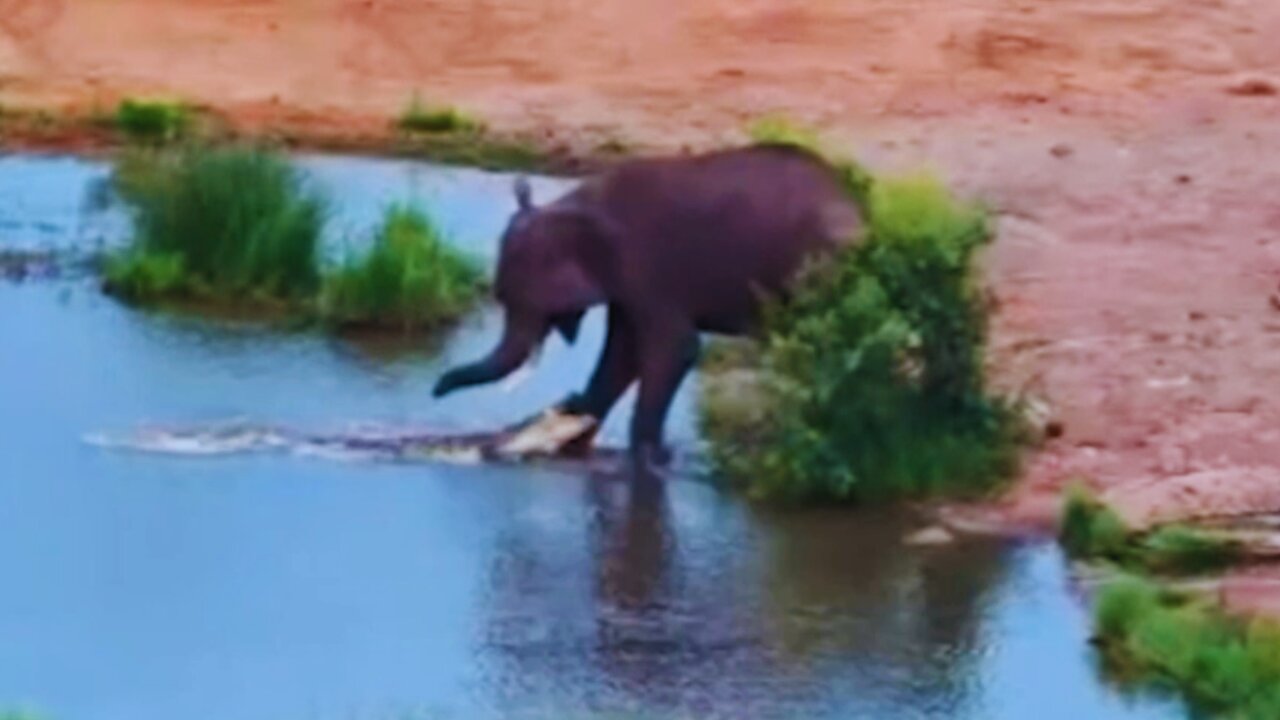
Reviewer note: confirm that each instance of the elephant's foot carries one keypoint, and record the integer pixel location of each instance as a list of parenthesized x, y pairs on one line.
[(649, 458)]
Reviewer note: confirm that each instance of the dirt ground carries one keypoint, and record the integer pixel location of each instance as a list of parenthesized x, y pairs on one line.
[(1130, 147)]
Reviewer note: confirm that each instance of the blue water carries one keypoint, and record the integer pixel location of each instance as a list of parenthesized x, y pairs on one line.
[(280, 587)]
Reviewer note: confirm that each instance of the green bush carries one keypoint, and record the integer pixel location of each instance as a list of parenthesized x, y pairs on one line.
[(1184, 550), (1226, 664), (145, 275), (152, 120), (872, 372), (410, 279), (1089, 529), (1122, 604), (235, 224), (778, 130), (420, 117)]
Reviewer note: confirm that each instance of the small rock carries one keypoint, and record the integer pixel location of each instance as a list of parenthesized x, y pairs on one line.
[(1038, 414), (1196, 316), (1275, 301), (1183, 179), (929, 537), (1061, 150), (1253, 87)]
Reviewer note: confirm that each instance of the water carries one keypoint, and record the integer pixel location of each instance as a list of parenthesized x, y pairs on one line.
[(275, 587)]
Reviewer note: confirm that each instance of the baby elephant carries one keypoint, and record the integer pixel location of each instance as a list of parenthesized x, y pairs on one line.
[(673, 246)]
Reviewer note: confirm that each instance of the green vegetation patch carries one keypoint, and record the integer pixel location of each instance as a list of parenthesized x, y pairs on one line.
[(152, 120), (1090, 530), (1229, 665), (410, 279), (238, 229), (778, 130), (424, 118), (235, 224), (871, 375)]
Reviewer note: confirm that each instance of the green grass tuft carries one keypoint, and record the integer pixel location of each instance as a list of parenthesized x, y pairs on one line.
[(410, 279), (140, 274), (779, 130), (152, 120), (231, 224), (1089, 529), (420, 117), (1228, 665), (1122, 605), (1178, 549), (872, 376)]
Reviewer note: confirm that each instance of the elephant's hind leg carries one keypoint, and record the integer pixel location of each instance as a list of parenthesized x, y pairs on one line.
[(669, 352)]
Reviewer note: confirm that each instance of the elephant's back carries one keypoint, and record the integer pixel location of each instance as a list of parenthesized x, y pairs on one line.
[(785, 192), (714, 229)]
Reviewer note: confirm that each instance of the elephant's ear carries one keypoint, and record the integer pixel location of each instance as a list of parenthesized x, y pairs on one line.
[(574, 271)]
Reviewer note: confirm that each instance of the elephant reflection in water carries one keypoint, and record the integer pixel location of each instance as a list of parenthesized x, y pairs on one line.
[(619, 600), (622, 607), (668, 616)]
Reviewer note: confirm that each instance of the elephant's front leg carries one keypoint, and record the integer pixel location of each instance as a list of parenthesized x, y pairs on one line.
[(614, 373), (668, 351)]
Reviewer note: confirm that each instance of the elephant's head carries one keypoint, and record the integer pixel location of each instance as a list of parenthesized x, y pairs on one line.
[(548, 276)]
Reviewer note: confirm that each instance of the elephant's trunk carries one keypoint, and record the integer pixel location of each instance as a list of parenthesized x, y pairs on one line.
[(518, 341)]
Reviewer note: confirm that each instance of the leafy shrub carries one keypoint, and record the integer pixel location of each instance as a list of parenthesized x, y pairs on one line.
[(776, 129), (152, 120), (1089, 529), (872, 372), (1122, 604), (420, 117), (1226, 664), (145, 275), (236, 223), (411, 278), (1181, 549)]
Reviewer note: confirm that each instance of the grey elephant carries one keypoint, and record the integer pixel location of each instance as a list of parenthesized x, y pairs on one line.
[(674, 247)]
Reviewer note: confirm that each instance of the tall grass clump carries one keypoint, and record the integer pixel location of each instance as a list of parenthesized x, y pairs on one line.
[(421, 117), (872, 372), (410, 279), (231, 224), (1178, 549), (1088, 529), (151, 120), (1228, 665)]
